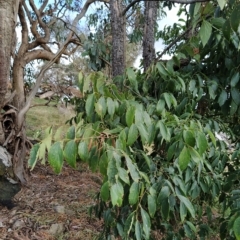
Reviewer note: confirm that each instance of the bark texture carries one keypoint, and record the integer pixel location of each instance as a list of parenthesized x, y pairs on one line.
[(151, 8), (8, 15), (118, 37)]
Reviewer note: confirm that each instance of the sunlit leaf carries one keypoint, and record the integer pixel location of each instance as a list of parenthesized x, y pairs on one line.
[(33, 156), (205, 32), (116, 193), (70, 153)]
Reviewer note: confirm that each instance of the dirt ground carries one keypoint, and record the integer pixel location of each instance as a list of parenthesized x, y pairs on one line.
[(53, 207)]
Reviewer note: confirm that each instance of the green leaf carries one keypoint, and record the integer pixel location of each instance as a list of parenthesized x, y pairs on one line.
[(33, 156), (227, 29), (184, 159), (205, 32), (165, 208), (161, 68), (235, 18), (189, 137), (133, 193), (143, 132), (103, 164), (146, 223), (201, 142), (222, 98), (110, 106), (168, 99), (164, 194), (138, 232), (123, 174), (80, 81), (236, 228), (128, 225), (235, 95), (70, 153), (132, 169), (183, 211), (101, 107), (55, 157), (195, 155), (151, 205), (187, 204), (132, 78), (130, 115), (71, 133), (164, 131), (233, 107), (116, 193), (221, 3), (90, 104), (112, 171), (212, 137), (160, 106), (83, 151), (104, 192), (234, 79), (132, 135)]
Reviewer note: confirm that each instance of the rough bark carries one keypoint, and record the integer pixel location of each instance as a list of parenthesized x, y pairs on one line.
[(151, 9), (118, 37), (8, 14)]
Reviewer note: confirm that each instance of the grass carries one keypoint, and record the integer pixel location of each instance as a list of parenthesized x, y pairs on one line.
[(40, 117)]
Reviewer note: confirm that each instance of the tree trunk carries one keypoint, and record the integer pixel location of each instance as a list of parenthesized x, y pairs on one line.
[(8, 15), (118, 37), (151, 8)]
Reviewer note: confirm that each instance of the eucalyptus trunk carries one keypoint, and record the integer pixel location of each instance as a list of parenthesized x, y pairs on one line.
[(151, 9), (118, 37)]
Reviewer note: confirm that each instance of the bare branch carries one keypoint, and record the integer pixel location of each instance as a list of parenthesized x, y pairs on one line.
[(173, 1)]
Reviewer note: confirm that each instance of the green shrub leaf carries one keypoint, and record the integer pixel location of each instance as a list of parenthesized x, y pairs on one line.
[(104, 192), (187, 204), (117, 194), (146, 223), (33, 156), (236, 228), (151, 205), (132, 135), (55, 157), (184, 159), (70, 153), (83, 151), (133, 193)]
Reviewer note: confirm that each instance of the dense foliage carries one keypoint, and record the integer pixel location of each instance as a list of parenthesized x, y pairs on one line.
[(152, 136)]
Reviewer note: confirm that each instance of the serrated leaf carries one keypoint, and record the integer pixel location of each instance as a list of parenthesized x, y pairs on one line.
[(104, 192), (133, 193), (110, 106), (33, 156), (187, 204), (205, 32), (222, 98), (132, 135), (201, 142), (71, 133), (168, 99), (189, 138), (152, 206), (236, 228), (146, 223), (130, 115), (184, 159), (132, 169), (116, 193), (55, 157), (90, 104), (70, 153), (83, 151)]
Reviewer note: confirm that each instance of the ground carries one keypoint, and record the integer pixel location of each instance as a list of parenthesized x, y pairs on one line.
[(53, 206)]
